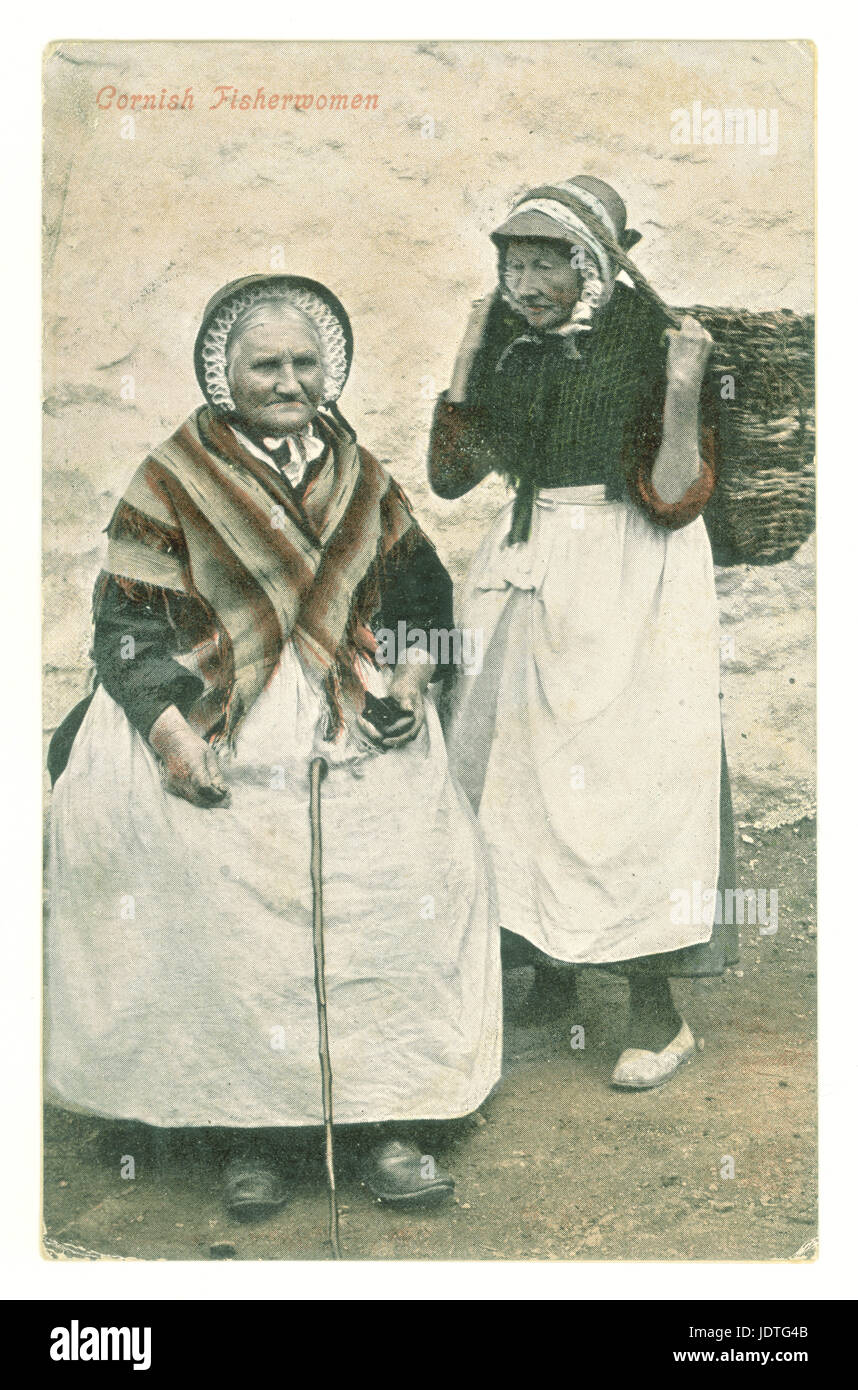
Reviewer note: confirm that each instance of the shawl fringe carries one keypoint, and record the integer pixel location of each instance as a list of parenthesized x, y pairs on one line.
[(235, 587), (128, 523)]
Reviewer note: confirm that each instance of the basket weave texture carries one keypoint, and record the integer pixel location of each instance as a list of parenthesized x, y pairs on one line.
[(764, 506)]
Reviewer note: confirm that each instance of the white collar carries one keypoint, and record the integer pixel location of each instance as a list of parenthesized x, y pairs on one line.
[(304, 447)]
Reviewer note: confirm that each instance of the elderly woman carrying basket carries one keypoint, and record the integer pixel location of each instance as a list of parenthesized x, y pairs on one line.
[(590, 742), (246, 562)]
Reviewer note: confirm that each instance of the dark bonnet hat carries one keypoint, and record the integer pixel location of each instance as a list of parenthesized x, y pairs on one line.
[(595, 199), (588, 210)]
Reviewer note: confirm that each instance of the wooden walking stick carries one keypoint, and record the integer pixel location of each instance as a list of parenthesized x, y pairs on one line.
[(318, 769)]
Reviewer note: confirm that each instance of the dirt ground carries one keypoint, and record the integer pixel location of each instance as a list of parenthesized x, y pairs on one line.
[(556, 1165)]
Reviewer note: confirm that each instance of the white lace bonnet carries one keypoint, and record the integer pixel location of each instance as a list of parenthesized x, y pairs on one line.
[(317, 303)]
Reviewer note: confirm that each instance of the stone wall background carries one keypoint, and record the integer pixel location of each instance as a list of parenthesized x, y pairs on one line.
[(140, 232)]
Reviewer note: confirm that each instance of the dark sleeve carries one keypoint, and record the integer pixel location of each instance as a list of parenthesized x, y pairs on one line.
[(462, 449), (468, 439), (417, 590), (133, 648)]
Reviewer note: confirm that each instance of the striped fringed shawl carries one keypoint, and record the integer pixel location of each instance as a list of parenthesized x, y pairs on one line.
[(202, 517)]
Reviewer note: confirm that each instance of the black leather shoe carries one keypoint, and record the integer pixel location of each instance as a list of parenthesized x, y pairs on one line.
[(401, 1175), (252, 1190)]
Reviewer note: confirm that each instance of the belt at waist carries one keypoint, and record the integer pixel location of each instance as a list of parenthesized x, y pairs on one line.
[(590, 495)]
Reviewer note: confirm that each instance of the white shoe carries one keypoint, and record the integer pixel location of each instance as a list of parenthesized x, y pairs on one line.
[(639, 1070)]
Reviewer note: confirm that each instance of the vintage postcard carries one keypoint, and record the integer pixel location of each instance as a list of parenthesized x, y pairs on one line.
[(429, 651)]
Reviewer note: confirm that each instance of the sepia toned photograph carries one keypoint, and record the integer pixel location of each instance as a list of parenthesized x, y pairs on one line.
[(429, 651)]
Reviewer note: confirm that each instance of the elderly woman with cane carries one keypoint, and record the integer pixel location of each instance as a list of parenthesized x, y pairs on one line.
[(248, 560), (590, 742)]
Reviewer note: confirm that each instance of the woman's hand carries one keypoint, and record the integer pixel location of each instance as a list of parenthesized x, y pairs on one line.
[(688, 349), (189, 766), (470, 346), (408, 688)]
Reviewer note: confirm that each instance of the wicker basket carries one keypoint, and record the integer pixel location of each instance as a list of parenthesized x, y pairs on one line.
[(764, 506)]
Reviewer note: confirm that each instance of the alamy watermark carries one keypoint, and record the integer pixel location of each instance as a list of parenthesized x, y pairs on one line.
[(458, 646), (76, 1343), (730, 125), (754, 906)]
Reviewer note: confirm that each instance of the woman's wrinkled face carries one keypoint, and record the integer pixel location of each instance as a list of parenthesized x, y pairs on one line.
[(275, 372), (541, 281)]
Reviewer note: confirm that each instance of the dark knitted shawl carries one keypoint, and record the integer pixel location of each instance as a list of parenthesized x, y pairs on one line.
[(560, 421)]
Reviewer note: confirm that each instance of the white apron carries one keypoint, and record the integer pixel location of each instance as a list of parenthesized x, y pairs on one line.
[(179, 949), (590, 740)]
